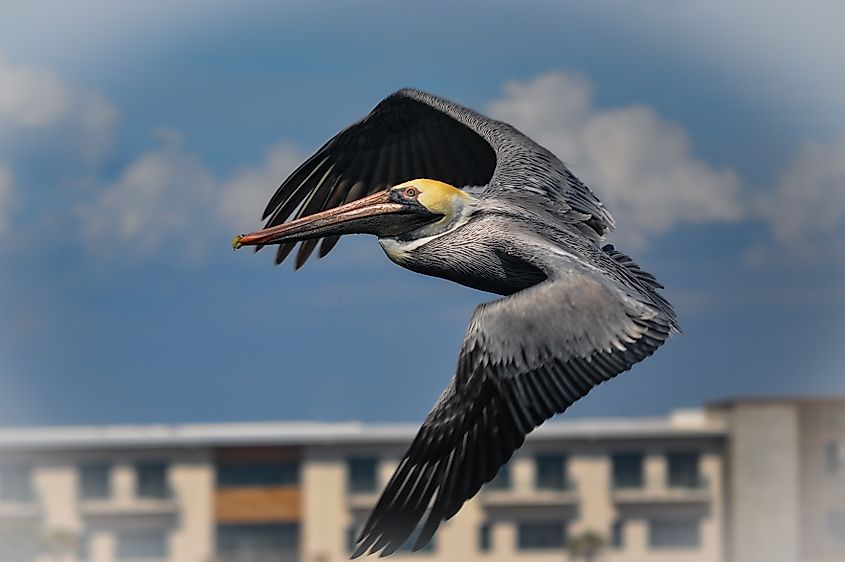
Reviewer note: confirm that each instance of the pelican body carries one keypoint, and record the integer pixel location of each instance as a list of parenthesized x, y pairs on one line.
[(453, 194)]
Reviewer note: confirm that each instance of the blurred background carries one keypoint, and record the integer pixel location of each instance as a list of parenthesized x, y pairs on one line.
[(162, 398)]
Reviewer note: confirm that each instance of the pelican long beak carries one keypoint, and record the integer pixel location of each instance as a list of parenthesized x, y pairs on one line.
[(375, 214)]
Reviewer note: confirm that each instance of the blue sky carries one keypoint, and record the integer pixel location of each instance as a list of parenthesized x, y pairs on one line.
[(135, 141)]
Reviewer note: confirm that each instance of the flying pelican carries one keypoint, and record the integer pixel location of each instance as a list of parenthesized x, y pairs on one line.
[(453, 194)]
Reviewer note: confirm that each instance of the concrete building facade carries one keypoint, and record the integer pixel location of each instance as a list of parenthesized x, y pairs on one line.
[(743, 481)]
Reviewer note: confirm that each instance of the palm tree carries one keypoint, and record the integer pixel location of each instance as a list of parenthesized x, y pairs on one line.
[(585, 546)]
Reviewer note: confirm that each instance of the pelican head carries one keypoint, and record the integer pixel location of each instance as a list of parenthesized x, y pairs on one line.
[(411, 209)]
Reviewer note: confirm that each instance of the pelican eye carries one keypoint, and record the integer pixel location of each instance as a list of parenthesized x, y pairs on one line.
[(411, 192)]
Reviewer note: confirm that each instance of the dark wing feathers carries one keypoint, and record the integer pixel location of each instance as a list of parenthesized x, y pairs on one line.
[(647, 280), (412, 134), (524, 358), (403, 138), (623, 259)]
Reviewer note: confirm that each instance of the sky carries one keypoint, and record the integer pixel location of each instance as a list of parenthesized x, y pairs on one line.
[(136, 140)]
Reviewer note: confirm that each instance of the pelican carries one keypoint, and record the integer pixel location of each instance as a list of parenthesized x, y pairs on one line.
[(453, 194)]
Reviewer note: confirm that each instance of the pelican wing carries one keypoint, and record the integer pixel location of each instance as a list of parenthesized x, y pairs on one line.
[(524, 358), (408, 135)]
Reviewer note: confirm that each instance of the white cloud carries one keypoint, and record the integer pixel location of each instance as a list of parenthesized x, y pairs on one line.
[(168, 197), (164, 197), (36, 101), (640, 165), (6, 197), (806, 209), (30, 97), (243, 197)]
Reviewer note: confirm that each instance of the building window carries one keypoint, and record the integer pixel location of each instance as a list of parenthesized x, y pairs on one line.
[(94, 481), (151, 480), (408, 545), (16, 483), (352, 537), (502, 480), (257, 474), (550, 472), (832, 458), (617, 534), (83, 547), (836, 526), (142, 544), (683, 470), (362, 475), (485, 537), (674, 533), (627, 470), (276, 541), (541, 535)]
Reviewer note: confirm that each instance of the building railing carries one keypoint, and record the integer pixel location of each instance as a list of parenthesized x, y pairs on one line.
[(566, 495), (660, 489), (128, 505), (19, 510), (565, 486), (698, 483), (259, 556)]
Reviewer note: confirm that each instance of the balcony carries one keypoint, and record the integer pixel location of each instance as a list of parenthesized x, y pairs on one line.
[(17, 497), (659, 491), (565, 496), (19, 510), (110, 507), (257, 504), (362, 500), (260, 556)]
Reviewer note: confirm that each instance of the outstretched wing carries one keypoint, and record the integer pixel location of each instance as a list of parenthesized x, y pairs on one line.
[(524, 358), (408, 135), (412, 134)]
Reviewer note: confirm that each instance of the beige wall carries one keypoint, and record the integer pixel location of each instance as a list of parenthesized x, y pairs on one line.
[(821, 492), (764, 483), (767, 498), (329, 510), (58, 510)]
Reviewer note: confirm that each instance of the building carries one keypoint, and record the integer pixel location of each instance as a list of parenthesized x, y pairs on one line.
[(744, 481)]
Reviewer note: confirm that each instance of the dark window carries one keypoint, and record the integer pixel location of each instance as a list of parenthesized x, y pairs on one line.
[(836, 526), (683, 470), (248, 543), (617, 534), (16, 483), (550, 472), (541, 535), (145, 544), (351, 537), (502, 480), (674, 533), (257, 474), (485, 537), (627, 470), (362, 475), (832, 457), (94, 481), (151, 480), (83, 547), (408, 545)]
